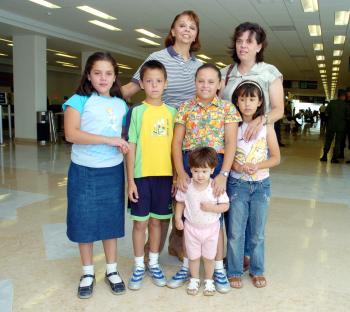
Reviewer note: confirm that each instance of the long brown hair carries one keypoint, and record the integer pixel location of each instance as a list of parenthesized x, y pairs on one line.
[(170, 39), (85, 86)]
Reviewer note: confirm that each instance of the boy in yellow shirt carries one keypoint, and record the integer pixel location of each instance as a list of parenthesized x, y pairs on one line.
[(149, 169)]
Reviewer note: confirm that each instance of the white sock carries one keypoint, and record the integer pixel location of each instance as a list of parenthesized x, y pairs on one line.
[(185, 263), (110, 268), (140, 262), (219, 265), (153, 258), (87, 270)]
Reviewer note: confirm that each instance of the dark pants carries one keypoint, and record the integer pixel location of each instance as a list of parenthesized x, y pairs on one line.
[(277, 126), (346, 135), (323, 120), (339, 138)]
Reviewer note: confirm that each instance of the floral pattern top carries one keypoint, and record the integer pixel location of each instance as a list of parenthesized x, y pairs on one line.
[(205, 123)]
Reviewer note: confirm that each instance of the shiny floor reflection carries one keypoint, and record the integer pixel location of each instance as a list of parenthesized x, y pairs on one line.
[(307, 240)]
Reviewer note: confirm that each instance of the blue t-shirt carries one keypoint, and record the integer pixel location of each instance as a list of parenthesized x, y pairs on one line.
[(102, 116)]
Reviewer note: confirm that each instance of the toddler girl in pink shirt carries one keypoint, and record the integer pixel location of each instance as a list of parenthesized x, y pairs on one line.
[(201, 212)]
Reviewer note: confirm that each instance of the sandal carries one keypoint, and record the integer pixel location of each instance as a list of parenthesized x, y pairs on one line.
[(259, 281), (193, 286), (236, 282), (209, 288)]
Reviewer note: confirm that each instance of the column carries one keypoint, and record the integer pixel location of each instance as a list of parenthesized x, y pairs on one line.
[(30, 83)]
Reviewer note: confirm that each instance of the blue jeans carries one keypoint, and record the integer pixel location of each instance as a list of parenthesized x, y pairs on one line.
[(248, 199)]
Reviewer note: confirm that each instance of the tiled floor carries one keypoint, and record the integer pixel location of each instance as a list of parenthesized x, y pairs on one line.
[(307, 240)]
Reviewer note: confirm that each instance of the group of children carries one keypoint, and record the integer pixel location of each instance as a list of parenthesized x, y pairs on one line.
[(191, 154)]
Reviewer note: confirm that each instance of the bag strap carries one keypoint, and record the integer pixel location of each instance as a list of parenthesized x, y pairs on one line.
[(228, 74)]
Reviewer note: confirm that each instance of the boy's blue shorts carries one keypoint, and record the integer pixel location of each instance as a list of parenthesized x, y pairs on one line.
[(154, 198)]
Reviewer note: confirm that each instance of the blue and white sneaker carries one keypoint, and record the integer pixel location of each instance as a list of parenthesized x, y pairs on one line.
[(136, 278), (221, 282), (157, 275), (180, 278)]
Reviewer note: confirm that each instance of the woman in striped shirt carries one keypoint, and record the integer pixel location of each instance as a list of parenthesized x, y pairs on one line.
[(181, 66)]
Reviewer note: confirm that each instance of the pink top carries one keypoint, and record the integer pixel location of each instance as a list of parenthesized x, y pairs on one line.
[(193, 198)]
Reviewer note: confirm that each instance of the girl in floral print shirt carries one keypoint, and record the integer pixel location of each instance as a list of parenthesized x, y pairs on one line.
[(207, 120)]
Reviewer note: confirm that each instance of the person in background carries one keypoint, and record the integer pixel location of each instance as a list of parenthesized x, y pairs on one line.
[(322, 111), (337, 113)]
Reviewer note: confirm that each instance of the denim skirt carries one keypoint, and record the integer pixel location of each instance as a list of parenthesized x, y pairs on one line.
[(96, 203)]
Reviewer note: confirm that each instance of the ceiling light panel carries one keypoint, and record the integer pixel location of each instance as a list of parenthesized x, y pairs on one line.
[(56, 51), (309, 5), (341, 18), (318, 46), (46, 4), (336, 62), (124, 66), (322, 65), (203, 56), (147, 33), (335, 69), (151, 42), (320, 57), (337, 52), (104, 25), (221, 64), (95, 12), (66, 55), (5, 40), (3, 54), (70, 65), (339, 39), (323, 71), (314, 30)]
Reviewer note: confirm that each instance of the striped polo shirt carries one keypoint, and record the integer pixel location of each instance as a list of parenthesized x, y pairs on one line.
[(181, 85)]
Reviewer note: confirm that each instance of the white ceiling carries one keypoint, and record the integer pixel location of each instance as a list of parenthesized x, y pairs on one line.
[(290, 46)]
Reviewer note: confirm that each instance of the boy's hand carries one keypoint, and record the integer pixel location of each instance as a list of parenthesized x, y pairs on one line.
[(179, 224), (132, 192), (208, 206)]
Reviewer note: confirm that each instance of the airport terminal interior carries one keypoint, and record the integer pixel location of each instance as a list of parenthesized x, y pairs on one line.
[(307, 239)]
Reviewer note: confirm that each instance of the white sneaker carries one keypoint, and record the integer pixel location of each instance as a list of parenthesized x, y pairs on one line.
[(136, 278), (157, 275), (180, 278), (222, 284)]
